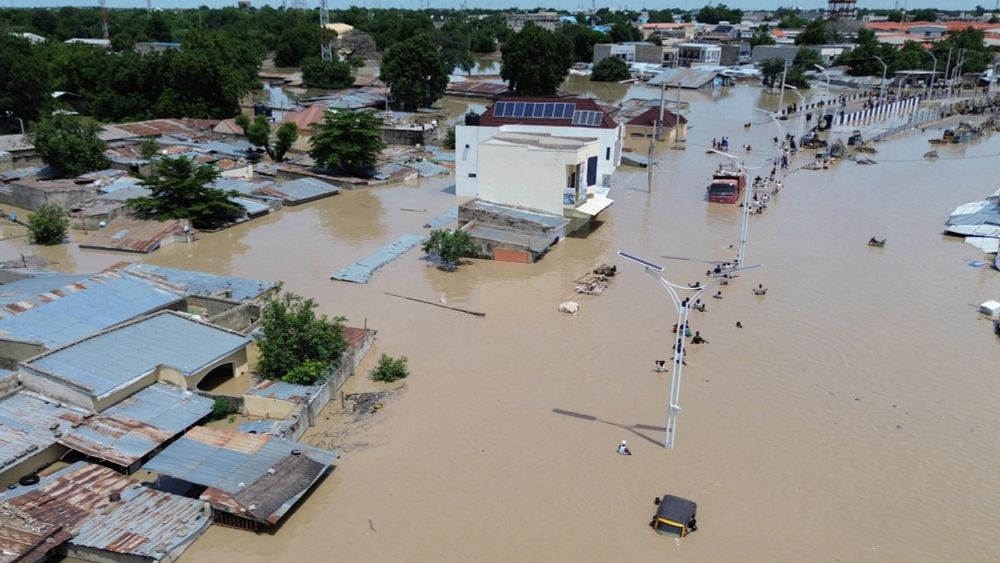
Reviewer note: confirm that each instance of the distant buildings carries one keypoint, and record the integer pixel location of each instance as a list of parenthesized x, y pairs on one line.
[(694, 54), (547, 20), (637, 52)]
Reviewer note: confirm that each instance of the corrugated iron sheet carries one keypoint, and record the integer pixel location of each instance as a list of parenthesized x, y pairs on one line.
[(228, 462), (116, 357), (133, 235), (362, 270), (29, 423), (133, 428), (141, 521), (202, 283), (284, 391), (25, 539)]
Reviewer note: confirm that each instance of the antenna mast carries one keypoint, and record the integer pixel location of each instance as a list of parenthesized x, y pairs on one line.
[(326, 50), (104, 18)]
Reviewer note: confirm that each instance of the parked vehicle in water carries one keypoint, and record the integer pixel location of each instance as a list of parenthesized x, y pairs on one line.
[(727, 185), (675, 516)]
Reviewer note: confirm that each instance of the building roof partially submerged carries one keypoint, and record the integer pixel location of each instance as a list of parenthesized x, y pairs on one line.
[(543, 220), (135, 427), (299, 191), (30, 423), (203, 284), (651, 117), (24, 539), (477, 88), (135, 235), (284, 391), (106, 511), (253, 476), (690, 78), (56, 309), (113, 359)]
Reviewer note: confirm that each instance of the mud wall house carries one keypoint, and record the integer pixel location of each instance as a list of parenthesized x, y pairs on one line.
[(557, 117), (30, 429), (49, 311), (647, 124), (510, 234), (31, 195), (102, 370), (251, 480), (111, 518)]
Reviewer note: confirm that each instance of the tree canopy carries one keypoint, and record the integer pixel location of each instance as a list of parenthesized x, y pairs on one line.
[(761, 36), (610, 69), (535, 61), (449, 246), (25, 86), (296, 344), (258, 132), (333, 75), (582, 39), (347, 140), (69, 145), (48, 225), (817, 32), (720, 13), (416, 72), (181, 189)]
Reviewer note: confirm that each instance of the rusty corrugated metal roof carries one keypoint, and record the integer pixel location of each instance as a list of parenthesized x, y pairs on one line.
[(133, 235), (24, 539), (107, 511)]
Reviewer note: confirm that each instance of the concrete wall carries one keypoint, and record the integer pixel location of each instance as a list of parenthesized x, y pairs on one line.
[(469, 138), (56, 389), (409, 136), (13, 352), (31, 198), (242, 319), (528, 177), (267, 407), (239, 359), (210, 306), (32, 464)]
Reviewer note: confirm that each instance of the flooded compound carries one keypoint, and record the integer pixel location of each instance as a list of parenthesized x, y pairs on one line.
[(852, 418)]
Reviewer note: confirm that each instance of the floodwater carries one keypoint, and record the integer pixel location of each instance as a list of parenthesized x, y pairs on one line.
[(853, 418)]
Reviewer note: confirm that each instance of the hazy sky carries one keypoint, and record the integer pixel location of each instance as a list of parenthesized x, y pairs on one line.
[(499, 4)]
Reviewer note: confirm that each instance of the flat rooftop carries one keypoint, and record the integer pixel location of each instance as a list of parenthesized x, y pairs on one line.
[(540, 140)]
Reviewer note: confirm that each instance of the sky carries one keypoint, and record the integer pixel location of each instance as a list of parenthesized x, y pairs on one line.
[(500, 4)]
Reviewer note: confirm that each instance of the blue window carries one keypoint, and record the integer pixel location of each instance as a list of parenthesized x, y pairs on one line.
[(607, 154), (592, 171)]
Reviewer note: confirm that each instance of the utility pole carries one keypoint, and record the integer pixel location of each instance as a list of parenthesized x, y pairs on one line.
[(325, 49), (781, 97), (649, 166)]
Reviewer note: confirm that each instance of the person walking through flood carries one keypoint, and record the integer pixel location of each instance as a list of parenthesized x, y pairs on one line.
[(698, 339), (623, 448)]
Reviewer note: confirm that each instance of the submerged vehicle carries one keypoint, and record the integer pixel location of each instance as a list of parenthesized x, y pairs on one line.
[(727, 185), (675, 516)]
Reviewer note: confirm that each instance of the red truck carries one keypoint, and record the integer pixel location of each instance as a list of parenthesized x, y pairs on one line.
[(726, 186)]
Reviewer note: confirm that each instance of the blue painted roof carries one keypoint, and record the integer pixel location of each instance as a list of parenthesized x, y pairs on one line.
[(128, 431), (447, 218), (252, 206), (87, 306), (29, 289), (25, 422), (115, 358), (362, 270), (552, 221), (202, 283)]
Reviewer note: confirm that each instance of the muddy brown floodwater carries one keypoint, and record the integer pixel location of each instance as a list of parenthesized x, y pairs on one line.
[(852, 419)]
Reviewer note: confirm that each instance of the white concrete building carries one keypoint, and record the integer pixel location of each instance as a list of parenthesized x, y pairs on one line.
[(692, 54), (573, 118)]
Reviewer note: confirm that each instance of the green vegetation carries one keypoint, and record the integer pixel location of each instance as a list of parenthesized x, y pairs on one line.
[(180, 189), (258, 132), (148, 147), (535, 61), (816, 32), (449, 140), (296, 344), (25, 87), (347, 140), (761, 36), (48, 225), (625, 32), (416, 72), (582, 39), (449, 246), (611, 69), (332, 75), (771, 70), (222, 408), (298, 42), (69, 145), (389, 369), (720, 13)]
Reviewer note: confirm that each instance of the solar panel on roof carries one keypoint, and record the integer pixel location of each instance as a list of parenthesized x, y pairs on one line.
[(528, 108), (548, 110), (540, 109), (518, 110), (499, 109)]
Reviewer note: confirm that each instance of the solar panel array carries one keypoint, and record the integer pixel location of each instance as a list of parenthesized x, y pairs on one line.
[(535, 110), (589, 118)]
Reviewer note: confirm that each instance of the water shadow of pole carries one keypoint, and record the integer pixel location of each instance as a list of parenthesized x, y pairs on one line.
[(633, 428)]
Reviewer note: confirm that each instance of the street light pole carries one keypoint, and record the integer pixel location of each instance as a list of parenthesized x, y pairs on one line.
[(741, 253), (885, 70), (933, 74), (802, 99), (781, 139), (677, 367)]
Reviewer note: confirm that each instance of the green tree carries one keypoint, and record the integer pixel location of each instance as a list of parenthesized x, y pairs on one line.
[(148, 147), (347, 140), (297, 43), (817, 32), (449, 247), (977, 57), (807, 58), (762, 36), (621, 32), (24, 86), (770, 72), (582, 39), (416, 72), (719, 13), (181, 189), (925, 15), (535, 61), (333, 75), (258, 132), (44, 21), (295, 343), (654, 39), (48, 225), (480, 41), (69, 145), (388, 369), (610, 69)]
